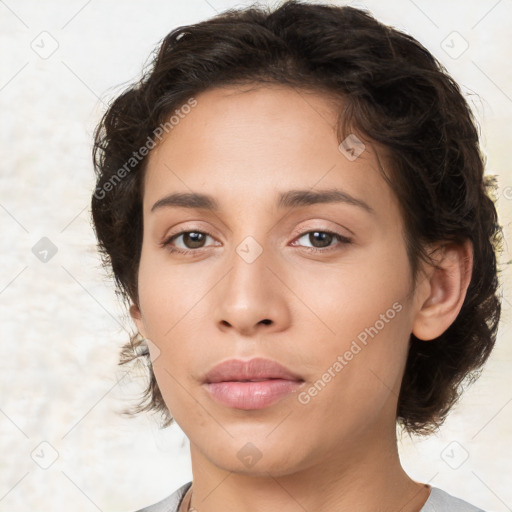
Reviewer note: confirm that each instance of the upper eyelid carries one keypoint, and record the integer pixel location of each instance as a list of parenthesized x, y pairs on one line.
[(188, 230), (295, 232)]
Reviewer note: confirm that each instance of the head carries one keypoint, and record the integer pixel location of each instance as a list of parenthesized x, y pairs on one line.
[(347, 234)]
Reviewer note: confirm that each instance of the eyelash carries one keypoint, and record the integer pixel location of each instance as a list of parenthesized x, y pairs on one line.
[(167, 243)]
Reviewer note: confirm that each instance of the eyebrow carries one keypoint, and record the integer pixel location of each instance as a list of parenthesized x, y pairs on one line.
[(289, 199)]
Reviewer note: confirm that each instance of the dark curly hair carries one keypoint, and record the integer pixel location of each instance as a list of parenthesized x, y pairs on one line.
[(392, 91)]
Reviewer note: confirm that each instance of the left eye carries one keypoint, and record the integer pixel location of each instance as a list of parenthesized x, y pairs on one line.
[(323, 238)]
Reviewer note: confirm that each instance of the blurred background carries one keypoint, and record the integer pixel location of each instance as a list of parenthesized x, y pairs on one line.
[(63, 443)]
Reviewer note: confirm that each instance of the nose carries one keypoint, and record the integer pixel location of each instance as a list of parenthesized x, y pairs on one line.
[(252, 298)]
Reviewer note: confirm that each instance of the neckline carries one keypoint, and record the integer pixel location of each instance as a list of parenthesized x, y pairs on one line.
[(184, 503)]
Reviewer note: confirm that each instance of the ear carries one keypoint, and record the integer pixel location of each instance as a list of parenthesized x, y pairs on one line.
[(136, 315), (446, 289)]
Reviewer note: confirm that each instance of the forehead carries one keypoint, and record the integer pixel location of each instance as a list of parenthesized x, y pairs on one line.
[(243, 143)]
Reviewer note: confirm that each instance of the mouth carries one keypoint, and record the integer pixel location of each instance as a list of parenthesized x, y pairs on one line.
[(252, 384)]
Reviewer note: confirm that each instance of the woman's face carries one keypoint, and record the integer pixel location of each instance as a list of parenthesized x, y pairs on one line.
[(320, 286)]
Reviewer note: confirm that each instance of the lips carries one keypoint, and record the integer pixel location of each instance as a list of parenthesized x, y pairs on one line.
[(257, 369), (254, 384)]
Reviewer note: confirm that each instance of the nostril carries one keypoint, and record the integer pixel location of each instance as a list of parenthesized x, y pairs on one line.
[(266, 321)]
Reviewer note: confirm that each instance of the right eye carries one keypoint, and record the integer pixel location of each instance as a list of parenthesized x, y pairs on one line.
[(193, 241)]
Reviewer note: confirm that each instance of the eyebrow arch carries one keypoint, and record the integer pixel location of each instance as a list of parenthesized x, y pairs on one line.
[(297, 198), (289, 199)]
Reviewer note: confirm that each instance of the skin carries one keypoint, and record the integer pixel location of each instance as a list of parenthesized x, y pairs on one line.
[(339, 450)]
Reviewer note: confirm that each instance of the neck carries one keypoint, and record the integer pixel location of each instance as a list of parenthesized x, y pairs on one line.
[(366, 477)]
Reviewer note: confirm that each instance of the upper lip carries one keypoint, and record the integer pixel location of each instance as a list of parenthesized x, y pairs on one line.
[(257, 368)]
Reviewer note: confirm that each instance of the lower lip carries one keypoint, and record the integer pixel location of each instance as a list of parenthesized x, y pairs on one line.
[(251, 395)]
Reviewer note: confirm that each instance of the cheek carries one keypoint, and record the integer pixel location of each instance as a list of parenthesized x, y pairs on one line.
[(174, 302), (168, 293), (367, 289), (357, 373), (362, 324), (176, 389)]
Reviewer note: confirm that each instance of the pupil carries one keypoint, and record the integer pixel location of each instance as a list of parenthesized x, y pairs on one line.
[(325, 237), (195, 239)]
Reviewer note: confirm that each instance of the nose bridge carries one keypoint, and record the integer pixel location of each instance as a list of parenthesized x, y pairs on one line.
[(250, 256), (249, 279)]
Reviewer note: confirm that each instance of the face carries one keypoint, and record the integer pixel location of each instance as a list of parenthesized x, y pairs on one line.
[(319, 284)]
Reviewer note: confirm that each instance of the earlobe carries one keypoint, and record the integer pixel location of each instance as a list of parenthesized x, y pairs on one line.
[(136, 315), (448, 286)]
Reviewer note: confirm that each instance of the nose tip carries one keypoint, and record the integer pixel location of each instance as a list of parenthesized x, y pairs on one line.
[(251, 298)]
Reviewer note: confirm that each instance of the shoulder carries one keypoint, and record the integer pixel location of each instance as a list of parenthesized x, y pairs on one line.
[(169, 504), (438, 501), (441, 501)]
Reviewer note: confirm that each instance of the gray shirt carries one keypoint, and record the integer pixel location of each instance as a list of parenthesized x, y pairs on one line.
[(438, 501)]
